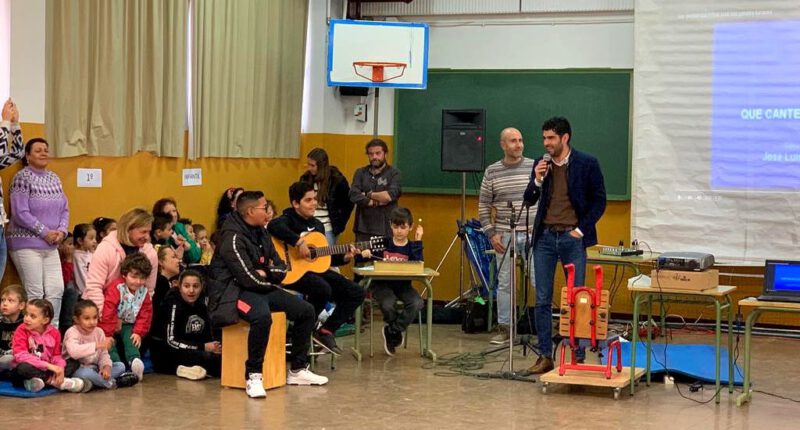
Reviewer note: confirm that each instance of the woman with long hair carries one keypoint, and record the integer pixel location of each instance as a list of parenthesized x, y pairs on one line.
[(333, 200)]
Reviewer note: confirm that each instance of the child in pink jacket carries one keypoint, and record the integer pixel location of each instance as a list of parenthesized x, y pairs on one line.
[(37, 352), (87, 345)]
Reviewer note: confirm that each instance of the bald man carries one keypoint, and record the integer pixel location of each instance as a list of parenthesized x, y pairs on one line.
[(504, 182)]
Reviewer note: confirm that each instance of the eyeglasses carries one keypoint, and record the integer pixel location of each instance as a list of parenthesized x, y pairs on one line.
[(265, 208)]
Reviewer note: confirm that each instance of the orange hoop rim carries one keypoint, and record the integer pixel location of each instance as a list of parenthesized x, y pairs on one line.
[(377, 63)]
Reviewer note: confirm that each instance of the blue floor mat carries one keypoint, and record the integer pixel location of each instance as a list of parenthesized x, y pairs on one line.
[(6, 389), (694, 361)]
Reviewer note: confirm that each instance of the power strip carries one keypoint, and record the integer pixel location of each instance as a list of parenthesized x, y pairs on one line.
[(620, 251)]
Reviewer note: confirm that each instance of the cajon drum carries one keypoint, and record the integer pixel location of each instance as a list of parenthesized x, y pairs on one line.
[(234, 354)]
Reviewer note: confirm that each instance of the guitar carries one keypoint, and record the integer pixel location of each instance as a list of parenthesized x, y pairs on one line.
[(320, 261)]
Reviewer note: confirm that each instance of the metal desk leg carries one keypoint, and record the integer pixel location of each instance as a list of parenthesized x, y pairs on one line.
[(359, 311), (717, 345), (492, 292), (748, 332), (649, 349), (428, 352), (634, 338), (730, 344)]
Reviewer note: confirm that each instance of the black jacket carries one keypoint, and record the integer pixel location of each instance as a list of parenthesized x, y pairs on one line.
[(290, 226), (181, 326), (243, 250), (7, 330), (339, 205)]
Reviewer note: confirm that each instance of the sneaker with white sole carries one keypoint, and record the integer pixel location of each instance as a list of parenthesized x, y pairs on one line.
[(194, 373), (34, 385), (305, 377), (73, 385), (137, 367), (255, 386), (388, 341)]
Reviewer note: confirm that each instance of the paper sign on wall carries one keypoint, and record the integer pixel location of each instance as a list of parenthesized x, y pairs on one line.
[(90, 178), (192, 177)]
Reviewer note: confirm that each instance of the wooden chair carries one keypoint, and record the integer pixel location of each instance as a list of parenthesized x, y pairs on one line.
[(234, 354), (584, 323)]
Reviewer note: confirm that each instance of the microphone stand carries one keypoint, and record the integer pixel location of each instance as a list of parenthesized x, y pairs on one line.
[(511, 252)]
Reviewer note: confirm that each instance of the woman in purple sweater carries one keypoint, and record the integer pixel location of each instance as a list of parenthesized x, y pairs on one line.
[(39, 220)]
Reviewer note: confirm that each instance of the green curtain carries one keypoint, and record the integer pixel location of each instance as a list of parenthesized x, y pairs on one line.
[(247, 77), (115, 77)]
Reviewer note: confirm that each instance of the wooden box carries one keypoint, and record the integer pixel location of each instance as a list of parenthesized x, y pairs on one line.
[(413, 267), (583, 314), (684, 280), (234, 354)]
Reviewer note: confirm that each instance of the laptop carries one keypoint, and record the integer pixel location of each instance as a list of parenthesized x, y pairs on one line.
[(781, 281)]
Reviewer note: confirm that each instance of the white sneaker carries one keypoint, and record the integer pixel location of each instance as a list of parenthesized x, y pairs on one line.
[(305, 377), (73, 385), (194, 373), (137, 367), (34, 385), (255, 386)]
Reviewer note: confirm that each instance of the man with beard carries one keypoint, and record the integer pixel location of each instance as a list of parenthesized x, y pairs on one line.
[(374, 190), (572, 198)]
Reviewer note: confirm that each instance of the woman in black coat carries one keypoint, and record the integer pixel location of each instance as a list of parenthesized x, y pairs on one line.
[(334, 205)]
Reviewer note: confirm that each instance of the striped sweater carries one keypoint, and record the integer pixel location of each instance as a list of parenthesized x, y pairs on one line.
[(503, 183), (10, 152)]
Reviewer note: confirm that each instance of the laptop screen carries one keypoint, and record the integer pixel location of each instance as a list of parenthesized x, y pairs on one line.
[(782, 277)]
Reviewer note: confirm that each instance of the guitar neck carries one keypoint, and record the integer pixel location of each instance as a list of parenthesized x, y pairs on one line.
[(339, 249)]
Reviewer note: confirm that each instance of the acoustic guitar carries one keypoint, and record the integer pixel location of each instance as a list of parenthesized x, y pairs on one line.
[(321, 253)]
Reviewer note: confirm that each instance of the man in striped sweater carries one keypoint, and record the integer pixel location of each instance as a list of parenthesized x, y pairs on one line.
[(504, 182)]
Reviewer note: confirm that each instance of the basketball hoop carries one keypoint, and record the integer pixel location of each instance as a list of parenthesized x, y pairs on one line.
[(377, 70)]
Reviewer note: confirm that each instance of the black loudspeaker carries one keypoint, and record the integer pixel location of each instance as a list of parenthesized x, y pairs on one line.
[(354, 91), (462, 140)]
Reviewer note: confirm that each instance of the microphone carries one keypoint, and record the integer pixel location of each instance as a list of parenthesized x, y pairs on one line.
[(547, 158)]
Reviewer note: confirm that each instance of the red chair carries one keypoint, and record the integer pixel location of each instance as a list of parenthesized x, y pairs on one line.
[(584, 323)]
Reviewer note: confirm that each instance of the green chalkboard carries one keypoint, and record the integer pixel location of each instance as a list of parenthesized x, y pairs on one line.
[(596, 102)]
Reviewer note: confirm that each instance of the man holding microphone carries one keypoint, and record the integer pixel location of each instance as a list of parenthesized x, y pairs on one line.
[(571, 194)]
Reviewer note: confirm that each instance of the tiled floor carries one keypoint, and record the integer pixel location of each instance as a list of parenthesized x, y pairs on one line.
[(404, 393)]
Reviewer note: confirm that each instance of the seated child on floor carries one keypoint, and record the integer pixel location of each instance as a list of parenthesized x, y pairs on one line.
[(37, 353), (127, 311), (86, 345), (386, 293), (182, 341), (12, 303)]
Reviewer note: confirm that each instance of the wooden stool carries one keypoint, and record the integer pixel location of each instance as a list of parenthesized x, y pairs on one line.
[(234, 354)]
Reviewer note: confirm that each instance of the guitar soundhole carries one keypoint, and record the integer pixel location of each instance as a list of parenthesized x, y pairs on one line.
[(313, 253)]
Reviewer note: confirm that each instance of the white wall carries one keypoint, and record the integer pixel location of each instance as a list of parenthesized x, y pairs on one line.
[(27, 58), (499, 43), (524, 42)]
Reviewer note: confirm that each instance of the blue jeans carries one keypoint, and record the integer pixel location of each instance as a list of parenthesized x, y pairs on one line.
[(504, 275), (330, 237), (91, 373), (551, 247)]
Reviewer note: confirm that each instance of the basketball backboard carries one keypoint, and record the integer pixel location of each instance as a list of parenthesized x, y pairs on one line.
[(377, 54)]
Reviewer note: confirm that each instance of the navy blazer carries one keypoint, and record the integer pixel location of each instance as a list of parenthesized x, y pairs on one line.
[(587, 193)]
